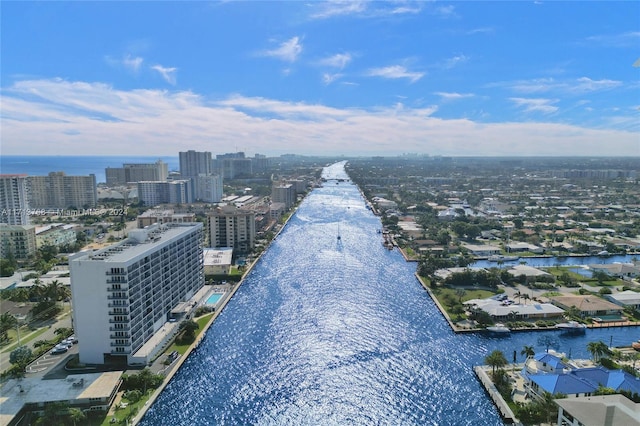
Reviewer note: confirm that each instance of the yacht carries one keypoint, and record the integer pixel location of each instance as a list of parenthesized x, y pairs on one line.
[(502, 258), (499, 328), (572, 326)]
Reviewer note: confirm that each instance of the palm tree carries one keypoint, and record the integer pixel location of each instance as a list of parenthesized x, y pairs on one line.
[(597, 349), (76, 416), (496, 359), (527, 351)]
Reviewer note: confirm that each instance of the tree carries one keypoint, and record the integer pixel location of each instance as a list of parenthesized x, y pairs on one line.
[(597, 349), (20, 356), (6, 268), (7, 322), (496, 359), (188, 329), (77, 416), (527, 351)]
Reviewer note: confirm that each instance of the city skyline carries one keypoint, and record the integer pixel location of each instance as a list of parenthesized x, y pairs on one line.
[(322, 78)]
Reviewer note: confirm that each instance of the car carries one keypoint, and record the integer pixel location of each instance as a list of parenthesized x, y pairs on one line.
[(59, 350)]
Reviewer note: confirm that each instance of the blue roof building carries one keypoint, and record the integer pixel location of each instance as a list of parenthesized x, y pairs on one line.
[(550, 374)]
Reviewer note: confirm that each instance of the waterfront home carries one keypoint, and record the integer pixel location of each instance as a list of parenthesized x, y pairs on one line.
[(482, 250), (548, 373), (518, 246), (590, 306), (598, 411), (502, 310), (546, 362), (527, 271), (618, 270), (627, 298)]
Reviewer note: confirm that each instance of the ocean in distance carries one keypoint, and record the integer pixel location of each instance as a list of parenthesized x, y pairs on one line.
[(42, 165)]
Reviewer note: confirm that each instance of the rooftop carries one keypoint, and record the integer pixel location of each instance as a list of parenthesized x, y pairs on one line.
[(17, 393), (602, 410), (138, 243)]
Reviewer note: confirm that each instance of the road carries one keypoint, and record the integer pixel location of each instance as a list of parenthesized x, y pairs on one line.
[(63, 321)]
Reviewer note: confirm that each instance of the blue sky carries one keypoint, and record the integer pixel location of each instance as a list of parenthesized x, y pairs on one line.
[(337, 78)]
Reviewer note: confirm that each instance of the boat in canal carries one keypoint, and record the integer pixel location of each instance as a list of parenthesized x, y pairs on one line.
[(499, 328), (502, 258), (572, 326)]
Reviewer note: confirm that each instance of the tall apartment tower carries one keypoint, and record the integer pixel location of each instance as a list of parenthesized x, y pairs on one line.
[(123, 295), (194, 163), (229, 226), (136, 172), (14, 199), (168, 192), (284, 193), (57, 190)]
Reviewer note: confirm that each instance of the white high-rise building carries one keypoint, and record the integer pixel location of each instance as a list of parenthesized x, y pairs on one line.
[(208, 188), (168, 192), (124, 295), (57, 190), (136, 172), (229, 226), (194, 163), (14, 199)]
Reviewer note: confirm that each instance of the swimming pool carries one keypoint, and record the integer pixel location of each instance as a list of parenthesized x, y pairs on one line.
[(214, 299)]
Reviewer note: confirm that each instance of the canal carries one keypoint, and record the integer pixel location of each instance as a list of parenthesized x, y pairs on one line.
[(338, 331)]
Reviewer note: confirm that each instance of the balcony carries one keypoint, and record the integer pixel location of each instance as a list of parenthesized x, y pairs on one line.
[(121, 297), (123, 345), (119, 287), (126, 336), (122, 312), (118, 305), (122, 321), (123, 328)]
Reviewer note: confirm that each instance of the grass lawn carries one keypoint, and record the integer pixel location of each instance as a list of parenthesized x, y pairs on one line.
[(445, 294), (123, 413), (202, 321), (24, 338)]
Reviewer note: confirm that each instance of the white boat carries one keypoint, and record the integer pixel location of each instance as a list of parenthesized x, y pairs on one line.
[(571, 326), (499, 328), (502, 258)]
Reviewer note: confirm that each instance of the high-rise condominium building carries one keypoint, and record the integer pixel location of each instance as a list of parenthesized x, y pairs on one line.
[(123, 295), (14, 199), (168, 192), (284, 193), (136, 172), (194, 163), (57, 190), (230, 226), (208, 188)]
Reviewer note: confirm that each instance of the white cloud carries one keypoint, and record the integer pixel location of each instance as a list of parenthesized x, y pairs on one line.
[(339, 60), (585, 85), (626, 39), (395, 71), (131, 63), (328, 78), (536, 104), (364, 8), (453, 96), (574, 86), (287, 51), (169, 74), (455, 60), (64, 118), (338, 7), (128, 62)]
